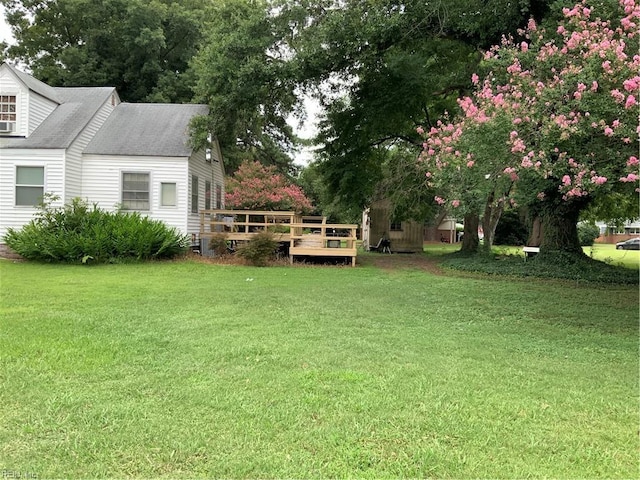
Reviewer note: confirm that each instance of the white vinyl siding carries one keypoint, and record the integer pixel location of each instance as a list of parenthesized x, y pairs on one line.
[(12, 216), (73, 161), (102, 178), (199, 167), (39, 108)]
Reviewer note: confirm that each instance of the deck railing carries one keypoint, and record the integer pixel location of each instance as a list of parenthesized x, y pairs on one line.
[(306, 235)]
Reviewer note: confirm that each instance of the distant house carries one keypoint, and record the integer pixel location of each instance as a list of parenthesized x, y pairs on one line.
[(613, 234), (377, 223), (84, 142)]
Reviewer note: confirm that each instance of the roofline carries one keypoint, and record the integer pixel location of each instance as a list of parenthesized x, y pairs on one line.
[(111, 92), (17, 74)]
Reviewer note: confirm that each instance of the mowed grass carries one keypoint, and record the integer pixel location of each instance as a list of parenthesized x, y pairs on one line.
[(192, 370)]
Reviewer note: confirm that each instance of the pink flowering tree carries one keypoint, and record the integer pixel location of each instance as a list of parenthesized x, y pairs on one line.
[(258, 187), (553, 126)]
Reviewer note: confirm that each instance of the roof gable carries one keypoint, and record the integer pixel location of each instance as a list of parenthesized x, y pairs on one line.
[(147, 129), (77, 106), (33, 84)]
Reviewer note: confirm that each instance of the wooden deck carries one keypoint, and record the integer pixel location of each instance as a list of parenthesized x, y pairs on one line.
[(306, 236)]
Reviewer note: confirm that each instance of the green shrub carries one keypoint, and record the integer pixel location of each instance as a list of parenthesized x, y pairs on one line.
[(511, 230), (77, 233), (218, 243), (259, 250), (587, 233)]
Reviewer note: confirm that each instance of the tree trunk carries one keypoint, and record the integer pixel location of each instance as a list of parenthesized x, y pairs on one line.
[(560, 232), (470, 239), (537, 229), (492, 214)]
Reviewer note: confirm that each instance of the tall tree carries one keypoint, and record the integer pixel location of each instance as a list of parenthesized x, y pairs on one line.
[(141, 47), (381, 68), (562, 117), (246, 76)]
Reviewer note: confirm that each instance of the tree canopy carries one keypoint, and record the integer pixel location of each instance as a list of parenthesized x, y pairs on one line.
[(383, 68), (553, 125), (141, 47)]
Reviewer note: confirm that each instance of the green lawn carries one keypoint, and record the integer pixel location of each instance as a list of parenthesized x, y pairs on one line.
[(192, 370)]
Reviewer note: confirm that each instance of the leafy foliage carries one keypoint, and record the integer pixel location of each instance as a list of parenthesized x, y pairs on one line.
[(587, 233), (218, 243), (258, 187), (552, 126), (558, 264), (377, 68), (141, 47), (259, 250), (511, 230), (248, 83), (76, 233)]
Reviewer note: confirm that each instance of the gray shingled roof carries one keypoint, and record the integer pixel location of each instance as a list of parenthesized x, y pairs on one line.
[(78, 105), (36, 85), (146, 129)]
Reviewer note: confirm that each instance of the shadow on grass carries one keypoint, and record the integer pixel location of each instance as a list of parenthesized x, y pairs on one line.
[(556, 265)]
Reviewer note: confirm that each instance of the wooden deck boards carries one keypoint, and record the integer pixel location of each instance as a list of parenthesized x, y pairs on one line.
[(307, 236)]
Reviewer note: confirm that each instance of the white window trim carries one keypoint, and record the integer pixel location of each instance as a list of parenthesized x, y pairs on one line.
[(16, 130), (15, 184), (168, 207), (121, 191)]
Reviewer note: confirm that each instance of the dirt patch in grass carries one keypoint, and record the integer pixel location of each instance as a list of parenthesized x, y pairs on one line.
[(402, 261), (387, 262)]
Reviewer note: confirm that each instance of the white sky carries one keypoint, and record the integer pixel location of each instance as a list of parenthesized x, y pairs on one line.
[(5, 33)]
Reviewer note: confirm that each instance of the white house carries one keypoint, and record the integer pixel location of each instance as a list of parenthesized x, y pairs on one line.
[(84, 142)]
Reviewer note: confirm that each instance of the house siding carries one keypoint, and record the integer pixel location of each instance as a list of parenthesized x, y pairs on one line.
[(73, 164), (102, 179), (39, 108), (10, 86), (205, 171), (52, 161)]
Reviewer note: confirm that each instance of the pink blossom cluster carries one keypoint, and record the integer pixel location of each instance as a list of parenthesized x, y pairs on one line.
[(557, 94), (255, 186)]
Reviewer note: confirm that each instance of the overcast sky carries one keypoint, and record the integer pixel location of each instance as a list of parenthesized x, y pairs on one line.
[(5, 33)]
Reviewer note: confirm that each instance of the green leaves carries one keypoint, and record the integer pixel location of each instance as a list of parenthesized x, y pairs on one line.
[(141, 47)]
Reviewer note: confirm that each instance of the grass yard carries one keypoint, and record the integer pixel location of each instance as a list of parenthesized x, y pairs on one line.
[(186, 369)]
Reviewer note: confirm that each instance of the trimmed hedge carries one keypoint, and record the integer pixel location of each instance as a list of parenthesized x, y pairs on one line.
[(79, 233)]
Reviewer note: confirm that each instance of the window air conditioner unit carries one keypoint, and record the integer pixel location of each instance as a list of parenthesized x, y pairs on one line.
[(6, 127)]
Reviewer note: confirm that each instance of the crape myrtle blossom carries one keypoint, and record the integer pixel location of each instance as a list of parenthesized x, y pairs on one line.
[(258, 187), (556, 120)]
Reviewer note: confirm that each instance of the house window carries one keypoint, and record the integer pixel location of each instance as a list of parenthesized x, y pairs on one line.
[(135, 191), (207, 195), (396, 226), (7, 113), (218, 196), (29, 186), (168, 194), (194, 194)]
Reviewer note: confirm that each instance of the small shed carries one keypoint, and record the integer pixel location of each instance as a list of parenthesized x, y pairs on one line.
[(406, 236)]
